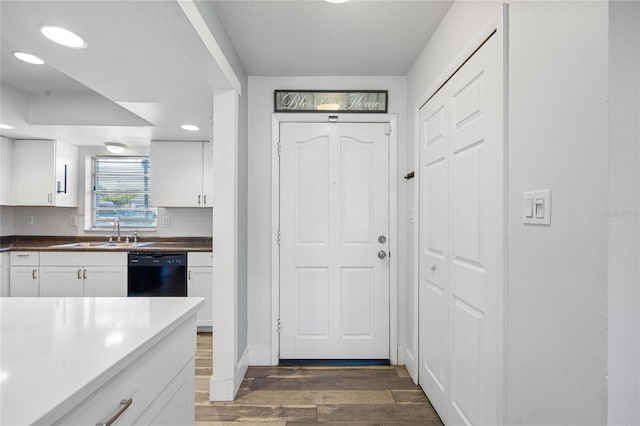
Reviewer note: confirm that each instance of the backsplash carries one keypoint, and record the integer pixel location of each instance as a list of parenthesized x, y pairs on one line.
[(172, 222)]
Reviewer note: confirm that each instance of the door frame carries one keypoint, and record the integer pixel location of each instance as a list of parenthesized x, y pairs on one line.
[(392, 120), (500, 25)]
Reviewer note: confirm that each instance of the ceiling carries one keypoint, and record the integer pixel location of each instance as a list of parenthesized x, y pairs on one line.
[(142, 74), (133, 82), (314, 37)]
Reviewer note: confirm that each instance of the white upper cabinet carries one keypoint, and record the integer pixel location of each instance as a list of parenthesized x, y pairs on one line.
[(6, 146), (207, 174), (44, 173), (66, 190), (181, 174)]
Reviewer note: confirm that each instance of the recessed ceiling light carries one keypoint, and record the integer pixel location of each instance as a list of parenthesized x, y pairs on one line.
[(337, 1), (27, 57), (115, 147), (5, 126), (190, 127), (63, 36)]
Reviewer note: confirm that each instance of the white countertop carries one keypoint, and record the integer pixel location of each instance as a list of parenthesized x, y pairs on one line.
[(55, 351)]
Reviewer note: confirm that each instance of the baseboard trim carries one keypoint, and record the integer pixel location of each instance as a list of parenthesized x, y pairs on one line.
[(220, 389), (226, 389), (241, 370), (260, 355), (410, 363)]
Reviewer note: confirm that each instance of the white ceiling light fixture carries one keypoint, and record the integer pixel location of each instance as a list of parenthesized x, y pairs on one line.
[(115, 147), (5, 126), (190, 127), (337, 1), (27, 57), (63, 36)]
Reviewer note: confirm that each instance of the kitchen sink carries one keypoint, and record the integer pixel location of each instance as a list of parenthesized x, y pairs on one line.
[(163, 243), (102, 244), (83, 244)]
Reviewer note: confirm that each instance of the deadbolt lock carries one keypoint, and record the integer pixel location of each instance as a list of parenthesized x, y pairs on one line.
[(382, 239)]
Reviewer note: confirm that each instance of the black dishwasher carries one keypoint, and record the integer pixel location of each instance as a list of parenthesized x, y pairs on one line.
[(157, 274)]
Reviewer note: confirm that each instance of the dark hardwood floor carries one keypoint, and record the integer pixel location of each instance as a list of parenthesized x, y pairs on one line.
[(311, 395)]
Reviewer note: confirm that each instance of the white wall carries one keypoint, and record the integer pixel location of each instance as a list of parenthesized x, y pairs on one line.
[(557, 279), (6, 221), (461, 24), (259, 220), (184, 222), (624, 214)]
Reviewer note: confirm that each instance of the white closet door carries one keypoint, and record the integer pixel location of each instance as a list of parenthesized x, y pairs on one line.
[(334, 289), (461, 180)]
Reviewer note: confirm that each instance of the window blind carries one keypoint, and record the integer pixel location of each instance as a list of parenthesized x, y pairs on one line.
[(121, 189)]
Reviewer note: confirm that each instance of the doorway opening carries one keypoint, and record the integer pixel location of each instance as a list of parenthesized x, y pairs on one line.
[(334, 237)]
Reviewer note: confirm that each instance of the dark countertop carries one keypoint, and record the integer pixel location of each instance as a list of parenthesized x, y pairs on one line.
[(99, 243)]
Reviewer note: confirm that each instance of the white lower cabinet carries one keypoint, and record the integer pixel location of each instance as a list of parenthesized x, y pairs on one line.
[(200, 284), (24, 275), (159, 384), (60, 281), (90, 274), (105, 281)]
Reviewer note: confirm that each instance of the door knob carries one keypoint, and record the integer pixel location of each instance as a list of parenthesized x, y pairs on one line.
[(382, 254), (433, 268)]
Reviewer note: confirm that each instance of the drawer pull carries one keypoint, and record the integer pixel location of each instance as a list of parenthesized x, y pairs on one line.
[(34, 274), (22, 255), (124, 404)]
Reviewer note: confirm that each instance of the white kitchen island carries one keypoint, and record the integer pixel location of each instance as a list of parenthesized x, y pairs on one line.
[(80, 360)]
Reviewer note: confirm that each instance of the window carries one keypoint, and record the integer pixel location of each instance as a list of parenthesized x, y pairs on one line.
[(121, 188)]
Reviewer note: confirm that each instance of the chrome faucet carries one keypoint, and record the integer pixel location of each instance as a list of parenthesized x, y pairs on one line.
[(116, 226)]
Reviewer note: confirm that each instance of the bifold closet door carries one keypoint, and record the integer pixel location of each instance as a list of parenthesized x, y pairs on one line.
[(461, 182)]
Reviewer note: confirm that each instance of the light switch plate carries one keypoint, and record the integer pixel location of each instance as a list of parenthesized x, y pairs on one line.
[(528, 208), (537, 207)]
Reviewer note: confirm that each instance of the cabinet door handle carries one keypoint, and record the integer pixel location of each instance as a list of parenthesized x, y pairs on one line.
[(189, 273), (199, 196), (50, 198), (124, 404), (34, 274), (84, 274), (79, 274), (205, 199)]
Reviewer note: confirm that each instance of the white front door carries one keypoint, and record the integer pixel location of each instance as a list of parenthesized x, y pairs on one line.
[(334, 228), (461, 240)]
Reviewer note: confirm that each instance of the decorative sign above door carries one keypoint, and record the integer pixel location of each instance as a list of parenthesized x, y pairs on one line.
[(351, 101)]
